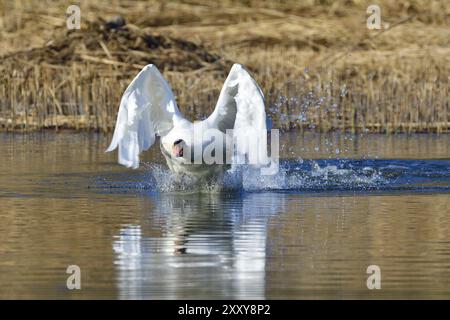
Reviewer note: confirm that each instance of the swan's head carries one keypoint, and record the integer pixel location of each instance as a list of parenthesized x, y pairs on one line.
[(178, 148)]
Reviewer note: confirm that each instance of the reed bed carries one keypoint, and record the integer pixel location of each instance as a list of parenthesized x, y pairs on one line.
[(319, 68), (377, 101)]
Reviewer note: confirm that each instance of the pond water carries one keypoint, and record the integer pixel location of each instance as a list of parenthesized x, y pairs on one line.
[(339, 204)]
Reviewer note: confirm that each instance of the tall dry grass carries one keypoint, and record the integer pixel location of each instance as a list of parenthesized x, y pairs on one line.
[(320, 68)]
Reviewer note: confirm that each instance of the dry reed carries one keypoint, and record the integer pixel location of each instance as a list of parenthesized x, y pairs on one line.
[(320, 68)]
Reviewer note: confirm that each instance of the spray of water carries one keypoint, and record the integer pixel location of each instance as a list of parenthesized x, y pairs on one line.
[(296, 176)]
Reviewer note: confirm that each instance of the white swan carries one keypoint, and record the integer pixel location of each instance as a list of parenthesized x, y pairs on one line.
[(148, 109)]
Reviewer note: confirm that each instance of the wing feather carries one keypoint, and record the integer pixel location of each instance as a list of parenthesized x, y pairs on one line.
[(241, 107), (147, 108)]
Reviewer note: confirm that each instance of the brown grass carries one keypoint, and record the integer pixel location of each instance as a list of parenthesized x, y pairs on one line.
[(320, 67)]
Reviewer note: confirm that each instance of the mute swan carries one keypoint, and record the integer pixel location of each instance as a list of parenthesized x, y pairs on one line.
[(148, 109)]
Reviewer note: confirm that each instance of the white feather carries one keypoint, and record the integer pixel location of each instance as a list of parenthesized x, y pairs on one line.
[(241, 107), (148, 108)]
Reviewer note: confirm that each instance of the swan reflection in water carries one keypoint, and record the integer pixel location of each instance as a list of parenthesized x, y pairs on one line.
[(197, 246)]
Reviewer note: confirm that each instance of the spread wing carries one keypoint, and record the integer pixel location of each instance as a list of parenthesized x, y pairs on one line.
[(147, 109), (241, 107)]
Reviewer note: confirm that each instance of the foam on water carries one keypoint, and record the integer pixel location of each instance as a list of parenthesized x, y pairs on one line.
[(299, 176)]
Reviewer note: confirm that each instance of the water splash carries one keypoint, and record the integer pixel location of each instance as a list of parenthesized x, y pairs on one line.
[(297, 107), (299, 176)]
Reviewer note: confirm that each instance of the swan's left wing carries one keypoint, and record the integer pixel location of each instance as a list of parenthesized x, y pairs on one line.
[(147, 108), (241, 107)]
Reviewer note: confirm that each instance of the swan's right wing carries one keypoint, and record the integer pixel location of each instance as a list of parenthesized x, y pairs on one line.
[(147, 108)]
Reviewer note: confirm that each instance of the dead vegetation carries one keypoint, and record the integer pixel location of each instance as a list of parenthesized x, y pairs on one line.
[(320, 67)]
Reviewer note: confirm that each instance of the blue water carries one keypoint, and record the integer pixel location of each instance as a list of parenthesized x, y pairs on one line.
[(300, 176), (309, 231)]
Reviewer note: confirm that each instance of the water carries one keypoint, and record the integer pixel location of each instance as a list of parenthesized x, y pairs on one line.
[(339, 204)]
